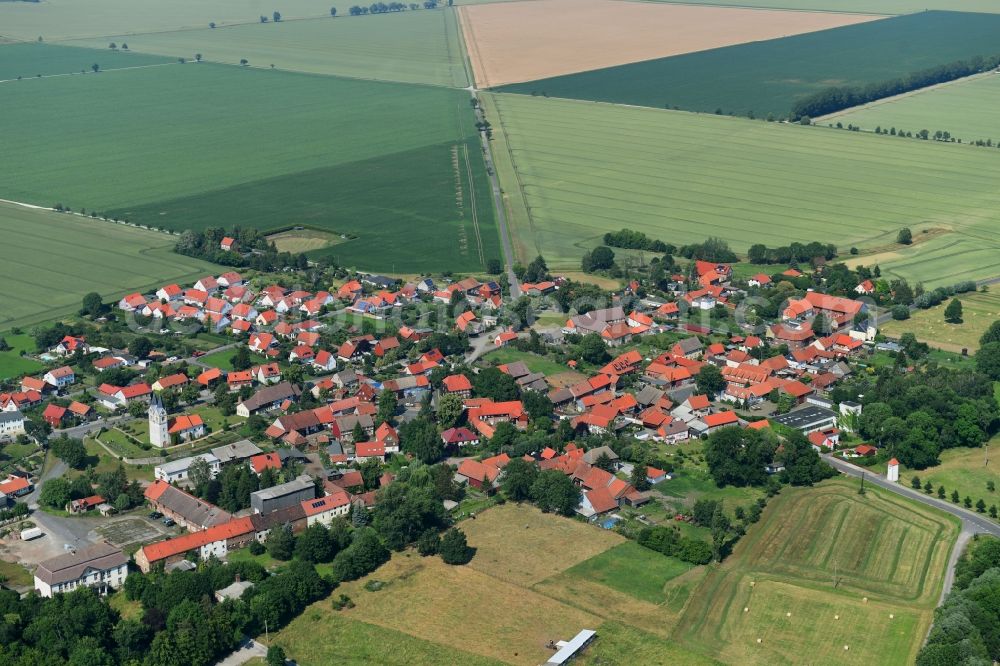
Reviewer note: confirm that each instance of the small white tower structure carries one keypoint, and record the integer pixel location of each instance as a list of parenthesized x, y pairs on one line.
[(158, 427), (892, 474)]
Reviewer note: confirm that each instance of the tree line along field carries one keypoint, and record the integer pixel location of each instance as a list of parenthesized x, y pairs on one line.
[(965, 108), (66, 19), (825, 568), (582, 169), (50, 260), (979, 310), (942, 260), (28, 60), (422, 46), (199, 145), (769, 77), (871, 6)]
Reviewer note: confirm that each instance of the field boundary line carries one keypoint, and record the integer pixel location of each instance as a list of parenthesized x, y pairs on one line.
[(103, 71)]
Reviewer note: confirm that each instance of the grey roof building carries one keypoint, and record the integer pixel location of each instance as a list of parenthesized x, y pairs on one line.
[(284, 495), (101, 565), (236, 452), (810, 418)]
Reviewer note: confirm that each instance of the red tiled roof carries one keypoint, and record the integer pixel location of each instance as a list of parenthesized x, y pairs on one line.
[(158, 551)]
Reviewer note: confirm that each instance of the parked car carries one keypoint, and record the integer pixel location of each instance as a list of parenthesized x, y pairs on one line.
[(169, 522), (197, 354), (155, 515)]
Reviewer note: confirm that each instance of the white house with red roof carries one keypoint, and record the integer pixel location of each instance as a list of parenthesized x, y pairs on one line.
[(170, 292)]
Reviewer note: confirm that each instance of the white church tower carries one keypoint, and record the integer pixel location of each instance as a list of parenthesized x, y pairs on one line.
[(158, 435)]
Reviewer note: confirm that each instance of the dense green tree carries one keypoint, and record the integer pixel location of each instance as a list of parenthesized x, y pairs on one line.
[(737, 456), (953, 313), (241, 360), (420, 438), (454, 548), (496, 385), (365, 554), (387, 405), (905, 236), (450, 409), (554, 492), (92, 304), (709, 380), (404, 511), (988, 360), (592, 349), (518, 479), (315, 544), (280, 543), (71, 451), (55, 493), (803, 466)]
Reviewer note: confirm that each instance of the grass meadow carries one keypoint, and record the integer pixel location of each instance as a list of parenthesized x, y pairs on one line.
[(966, 108), (29, 60), (266, 149), (767, 77), (503, 607), (854, 6), (966, 470), (12, 364), (822, 564), (48, 261), (979, 310), (409, 47), (571, 171)]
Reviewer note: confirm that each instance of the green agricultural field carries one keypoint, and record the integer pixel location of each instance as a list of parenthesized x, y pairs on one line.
[(965, 108), (410, 47), (768, 77), (50, 260), (65, 19), (968, 471), (632, 569), (970, 254), (979, 310), (853, 6), (28, 60), (822, 563), (396, 166), (584, 169)]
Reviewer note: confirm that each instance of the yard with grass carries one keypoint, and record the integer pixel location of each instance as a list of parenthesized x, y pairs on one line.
[(15, 575), (546, 365), (633, 570), (520, 544), (969, 471), (80, 255), (821, 563), (572, 171), (12, 363), (979, 310)]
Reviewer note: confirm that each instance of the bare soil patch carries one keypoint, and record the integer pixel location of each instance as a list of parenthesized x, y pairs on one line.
[(522, 41)]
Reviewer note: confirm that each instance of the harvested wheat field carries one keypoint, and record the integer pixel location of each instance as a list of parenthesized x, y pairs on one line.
[(512, 42)]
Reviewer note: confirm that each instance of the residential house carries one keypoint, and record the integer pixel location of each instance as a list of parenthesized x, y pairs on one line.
[(217, 540), (60, 377), (283, 495), (100, 566), (177, 471), (268, 399)]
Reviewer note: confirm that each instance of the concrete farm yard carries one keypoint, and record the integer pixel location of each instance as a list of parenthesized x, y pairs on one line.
[(253, 147), (683, 176)]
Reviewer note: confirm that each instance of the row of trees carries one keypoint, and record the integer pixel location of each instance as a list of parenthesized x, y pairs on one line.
[(389, 7), (636, 240), (794, 252), (838, 98)]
